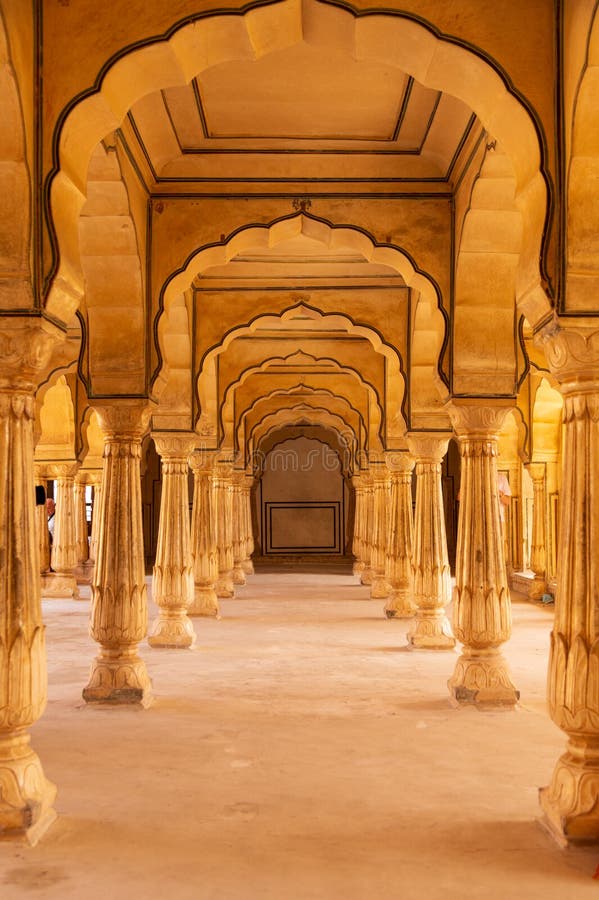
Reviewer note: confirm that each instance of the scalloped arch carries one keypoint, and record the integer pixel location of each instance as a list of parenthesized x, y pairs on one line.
[(386, 37)]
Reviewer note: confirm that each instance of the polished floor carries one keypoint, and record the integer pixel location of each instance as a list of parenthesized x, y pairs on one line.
[(298, 751)]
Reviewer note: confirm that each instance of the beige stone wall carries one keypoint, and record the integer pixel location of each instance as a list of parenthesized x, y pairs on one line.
[(302, 500)]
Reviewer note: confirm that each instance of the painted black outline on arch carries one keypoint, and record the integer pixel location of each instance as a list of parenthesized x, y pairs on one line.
[(357, 13)]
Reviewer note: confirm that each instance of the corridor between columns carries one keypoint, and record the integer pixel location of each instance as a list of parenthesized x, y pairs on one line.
[(298, 750)]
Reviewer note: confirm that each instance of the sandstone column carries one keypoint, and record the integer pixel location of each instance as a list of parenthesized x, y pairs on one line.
[(26, 797), (172, 580), (238, 533), (119, 603), (204, 550), (482, 608), (81, 541), (366, 575), (62, 582), (83, 568), (246, 564), (96, 519), (357, 551), (379, 586), (224, 529), (432, 579), (41, 525), (400, 546), (538, 548), (571, 801)]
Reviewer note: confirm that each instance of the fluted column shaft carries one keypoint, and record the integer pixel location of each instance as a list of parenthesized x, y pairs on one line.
[(204, 549), (172, 579), (482, 607), (119, 597), (224, 530), (246, 563), (238, 530), (400, 545), (368, 507), (81, 541), (571, 801), (538, 548), (379, 586), (432, 578), (26, 796)]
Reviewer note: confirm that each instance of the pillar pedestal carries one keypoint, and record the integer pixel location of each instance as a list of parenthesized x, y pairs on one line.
[(172, 580), (119, 603), (482, 607), (570, 803), (432, 579)]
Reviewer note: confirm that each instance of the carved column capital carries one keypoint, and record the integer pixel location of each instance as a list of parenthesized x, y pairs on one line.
[(473, 418), (572, 352), (202, 461), (123, 419), (400, 464), (66, 470), (170, 445), (26, 346), (428, 447), (536, 470)]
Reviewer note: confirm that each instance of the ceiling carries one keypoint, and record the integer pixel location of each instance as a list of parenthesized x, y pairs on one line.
[(300, 114)]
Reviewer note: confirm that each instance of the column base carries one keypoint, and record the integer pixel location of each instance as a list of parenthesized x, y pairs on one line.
[(431, 631), (481, 678), (358, 567), (26, 795), (204, 602), (366, 576), (172, 631), (238, 574), (59, 585), (400, 605), (119, 677), (379, 588), (570, 803), (225, 587), (537, 588), (248, 566)]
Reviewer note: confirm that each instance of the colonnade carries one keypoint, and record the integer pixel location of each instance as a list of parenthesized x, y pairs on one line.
[(191, 570)]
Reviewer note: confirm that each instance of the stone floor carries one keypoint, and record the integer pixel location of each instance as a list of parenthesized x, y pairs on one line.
[(299, 751)]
